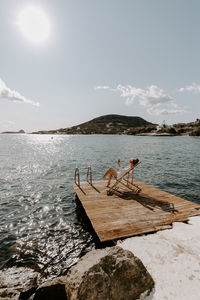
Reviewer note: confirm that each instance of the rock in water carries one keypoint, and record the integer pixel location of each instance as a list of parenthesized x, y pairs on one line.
[(17, 283), (108, 274)]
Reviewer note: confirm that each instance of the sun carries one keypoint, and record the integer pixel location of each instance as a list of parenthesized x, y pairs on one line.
[(34, 24)]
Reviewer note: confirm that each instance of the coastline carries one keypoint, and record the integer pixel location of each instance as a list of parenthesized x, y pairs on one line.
[(86, 134), (172, 258), (126, 125)]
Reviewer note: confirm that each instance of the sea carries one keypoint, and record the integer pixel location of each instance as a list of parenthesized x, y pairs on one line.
[(41, 223)]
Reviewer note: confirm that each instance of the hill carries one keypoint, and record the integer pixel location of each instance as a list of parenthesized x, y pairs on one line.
[(14, 132), (108, 124)]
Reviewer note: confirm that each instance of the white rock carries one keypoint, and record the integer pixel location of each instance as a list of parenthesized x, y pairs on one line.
[(172, 257)]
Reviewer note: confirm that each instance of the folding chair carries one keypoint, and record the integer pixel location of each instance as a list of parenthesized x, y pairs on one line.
[(127, 181)]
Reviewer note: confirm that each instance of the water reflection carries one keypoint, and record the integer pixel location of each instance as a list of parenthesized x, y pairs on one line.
[(40, 223)]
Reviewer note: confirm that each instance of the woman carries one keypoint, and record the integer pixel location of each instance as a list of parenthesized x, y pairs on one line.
[(118, 174)]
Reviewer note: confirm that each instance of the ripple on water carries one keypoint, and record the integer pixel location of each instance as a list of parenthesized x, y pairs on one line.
[(40, 223)]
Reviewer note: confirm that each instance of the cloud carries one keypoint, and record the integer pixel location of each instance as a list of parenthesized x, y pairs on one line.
[(7, 94), (130, 93), (154, 99), (164, 111), (104, 87), (152, 96), (190, 88)]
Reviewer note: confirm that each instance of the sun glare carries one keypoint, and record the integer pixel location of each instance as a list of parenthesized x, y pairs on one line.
[(34, 24)]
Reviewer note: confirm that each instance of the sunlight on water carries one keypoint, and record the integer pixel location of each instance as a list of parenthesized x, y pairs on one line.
[(40, 223)]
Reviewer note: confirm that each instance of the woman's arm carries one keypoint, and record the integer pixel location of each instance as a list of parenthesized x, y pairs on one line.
[(119, 162)]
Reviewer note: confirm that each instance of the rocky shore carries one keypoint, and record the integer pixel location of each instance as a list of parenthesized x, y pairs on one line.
[(125, 125), (172, 257), (163, 265), (104, 274)]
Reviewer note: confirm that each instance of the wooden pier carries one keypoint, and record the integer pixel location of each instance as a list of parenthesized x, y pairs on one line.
[(126, 214)]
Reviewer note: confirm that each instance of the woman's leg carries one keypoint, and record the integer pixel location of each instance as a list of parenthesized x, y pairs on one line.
[(109, 180), (112, 173)]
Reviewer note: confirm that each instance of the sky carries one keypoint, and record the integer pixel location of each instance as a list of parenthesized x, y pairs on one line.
[(66, 62)]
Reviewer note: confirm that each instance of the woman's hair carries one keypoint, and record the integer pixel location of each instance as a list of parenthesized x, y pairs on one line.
[(135, 161)]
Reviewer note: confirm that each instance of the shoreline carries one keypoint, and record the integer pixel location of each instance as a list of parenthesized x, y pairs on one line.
[(100, 134), (172, 258)]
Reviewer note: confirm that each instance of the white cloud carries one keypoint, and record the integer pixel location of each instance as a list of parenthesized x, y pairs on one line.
[(130, 93), (164, 111), (104, 87), (194, 87), (152, 96), (154, 99), (7, 94)]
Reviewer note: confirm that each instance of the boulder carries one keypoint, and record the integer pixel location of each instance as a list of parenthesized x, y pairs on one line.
[(52, 289), (108, 274)]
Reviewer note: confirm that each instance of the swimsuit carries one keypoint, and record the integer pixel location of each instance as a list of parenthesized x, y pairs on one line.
[(123, 171)]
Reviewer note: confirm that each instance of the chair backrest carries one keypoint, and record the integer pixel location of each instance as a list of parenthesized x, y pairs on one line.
[(129, 171)]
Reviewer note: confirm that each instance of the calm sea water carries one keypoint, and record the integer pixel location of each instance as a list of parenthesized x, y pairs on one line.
[(40, 224)]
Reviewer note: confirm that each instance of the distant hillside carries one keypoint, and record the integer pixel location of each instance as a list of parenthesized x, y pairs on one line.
[(108, 124), (117, 120), (13, 132), (192, 129)]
